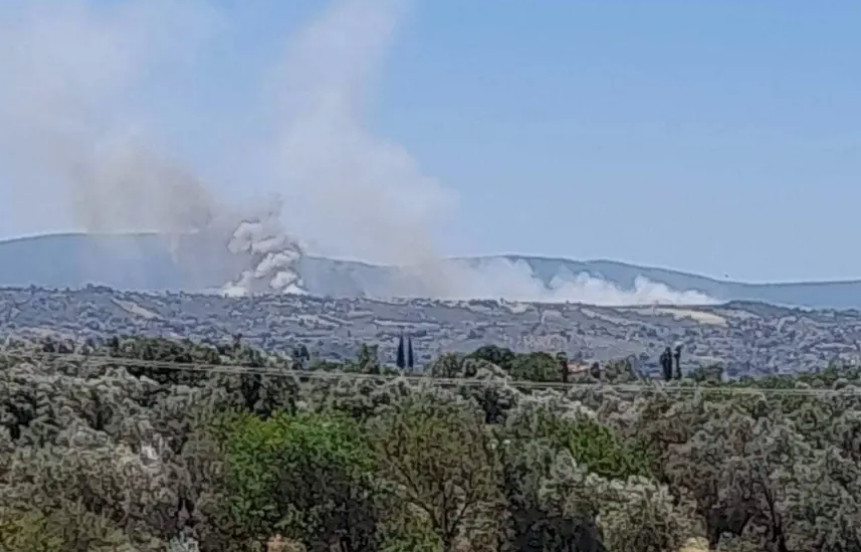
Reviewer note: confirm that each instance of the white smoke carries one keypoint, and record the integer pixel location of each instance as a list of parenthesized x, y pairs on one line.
[(595, 291), (84, 149), (273, 258), (503, 278)]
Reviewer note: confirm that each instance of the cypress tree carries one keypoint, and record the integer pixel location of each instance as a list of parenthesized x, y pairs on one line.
[(562, 359), (410, 357), (667, 364), (401, 362)]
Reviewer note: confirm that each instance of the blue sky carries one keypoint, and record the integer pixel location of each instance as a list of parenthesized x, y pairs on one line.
[(718, 137), (715, 137)]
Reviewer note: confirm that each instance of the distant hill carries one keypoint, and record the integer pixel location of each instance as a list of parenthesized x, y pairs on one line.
[(144, 263)]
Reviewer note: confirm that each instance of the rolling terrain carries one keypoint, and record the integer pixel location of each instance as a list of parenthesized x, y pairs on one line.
[(747, 339)]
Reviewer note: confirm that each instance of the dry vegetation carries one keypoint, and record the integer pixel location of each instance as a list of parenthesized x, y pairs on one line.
[(115, 453)]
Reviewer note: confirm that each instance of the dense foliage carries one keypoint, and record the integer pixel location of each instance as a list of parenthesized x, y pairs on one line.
[(117, 449)]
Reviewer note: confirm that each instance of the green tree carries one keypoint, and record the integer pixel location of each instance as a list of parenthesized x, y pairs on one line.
[(448, 365), (440, 462), (712, 375), (305, 477), (67, 527), (368, 359), (534, 367), (500, 356), (536, 521), (595, 446)]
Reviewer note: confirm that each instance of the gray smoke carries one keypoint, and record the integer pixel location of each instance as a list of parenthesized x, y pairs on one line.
[(80, 154), (131, 191), (366, 197), (128, 189), (82, 148), (357, 194)]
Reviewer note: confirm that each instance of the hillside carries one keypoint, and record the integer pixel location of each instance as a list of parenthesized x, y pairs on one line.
[(145, 263), (748, 339)]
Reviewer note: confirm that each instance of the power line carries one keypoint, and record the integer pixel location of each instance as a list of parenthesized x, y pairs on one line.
[(237, 369)]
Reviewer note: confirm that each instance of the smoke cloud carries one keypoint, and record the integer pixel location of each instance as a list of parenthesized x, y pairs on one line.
[(513, 279), (502, 278), (85, 146), (79, 148), (358, 194), (273, 257)]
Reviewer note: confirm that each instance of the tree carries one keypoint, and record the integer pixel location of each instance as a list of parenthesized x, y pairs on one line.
[(401, 359), (712, 375), (305, 477), (447, 365), (410, 355), (128, 457), (500, 356), (537, 522), (367, 359), (114, 345), (301, 355), (441, 464), (667, 364), (591, 444), (67, 527), (537, 366), (562, 359), (636, 514), (121, 488)]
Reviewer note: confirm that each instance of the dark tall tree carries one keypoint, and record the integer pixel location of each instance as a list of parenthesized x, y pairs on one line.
[(401, 361), (562, 359), (114, 345), (301, 355), (667, 364), (410, 357)]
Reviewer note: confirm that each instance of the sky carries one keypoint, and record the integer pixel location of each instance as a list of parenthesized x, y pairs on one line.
[(720, 138)]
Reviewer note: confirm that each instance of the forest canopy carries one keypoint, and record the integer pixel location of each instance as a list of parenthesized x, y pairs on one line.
[(125, 445)]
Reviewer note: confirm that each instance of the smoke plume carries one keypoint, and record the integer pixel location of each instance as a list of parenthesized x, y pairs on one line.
[(87, 142), (273, 257), (514, 279), (358, 194), (79, 148)]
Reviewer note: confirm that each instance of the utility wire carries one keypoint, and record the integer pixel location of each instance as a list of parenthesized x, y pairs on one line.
[(235, 369)]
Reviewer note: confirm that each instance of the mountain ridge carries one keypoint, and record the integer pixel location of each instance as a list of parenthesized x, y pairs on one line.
[(507, 255), (144, 262)]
